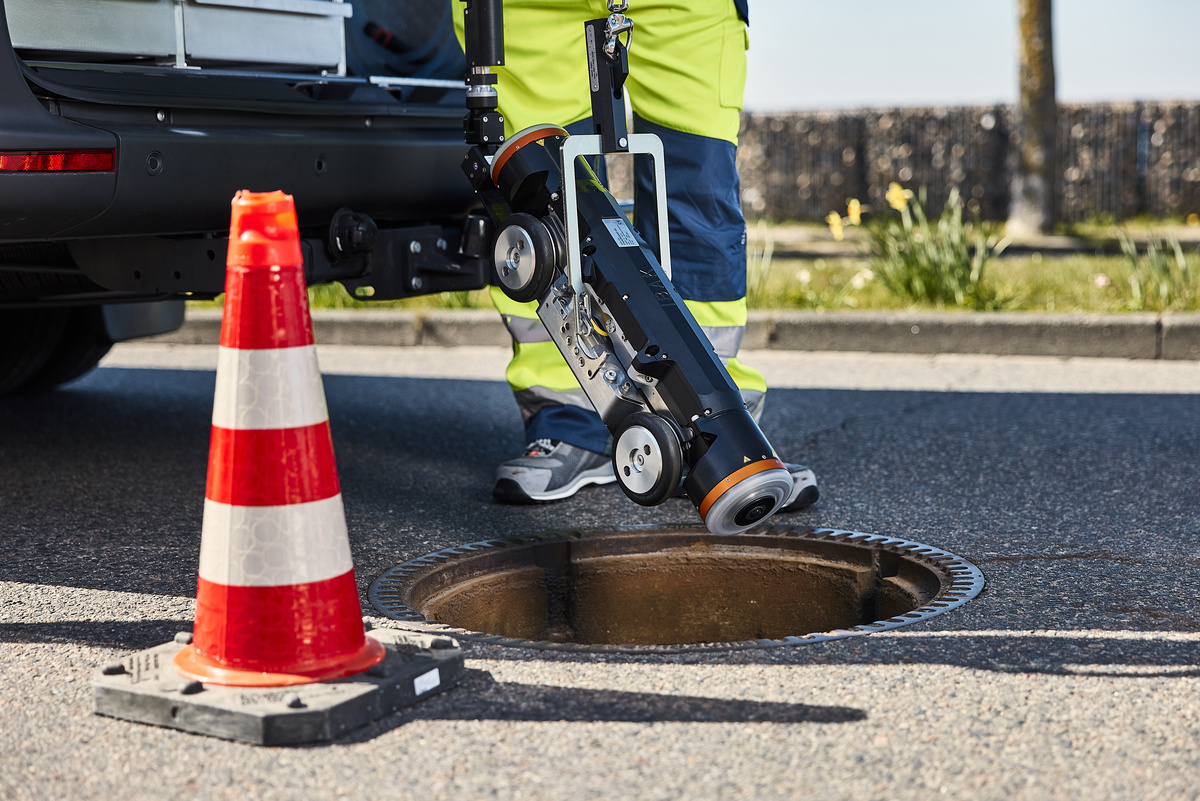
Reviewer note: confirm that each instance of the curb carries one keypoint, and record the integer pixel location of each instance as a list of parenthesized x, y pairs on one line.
[(1173, 336)]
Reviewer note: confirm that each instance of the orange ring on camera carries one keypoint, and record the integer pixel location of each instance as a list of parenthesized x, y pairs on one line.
[(534, 133)]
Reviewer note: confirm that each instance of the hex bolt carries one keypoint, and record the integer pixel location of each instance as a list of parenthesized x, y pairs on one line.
[(161, 116), (113, 669), (414, 246), (441, 244), (417, 283), (183, 637), (610, 375), (190, 687), (293, 701)]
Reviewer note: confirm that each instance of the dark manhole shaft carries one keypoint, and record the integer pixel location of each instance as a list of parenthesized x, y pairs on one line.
[(670, 589)]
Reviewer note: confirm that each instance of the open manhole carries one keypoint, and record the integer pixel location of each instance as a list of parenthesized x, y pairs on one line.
[(675, 588)]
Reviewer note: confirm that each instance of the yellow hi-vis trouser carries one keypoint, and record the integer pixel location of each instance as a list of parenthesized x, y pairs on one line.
[(687, 69)]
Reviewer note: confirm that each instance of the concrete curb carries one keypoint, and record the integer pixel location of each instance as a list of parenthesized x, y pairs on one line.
[(1126, 336)]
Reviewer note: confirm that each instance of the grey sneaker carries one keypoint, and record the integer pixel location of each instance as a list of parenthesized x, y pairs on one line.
[(550, 470), (804, 488)]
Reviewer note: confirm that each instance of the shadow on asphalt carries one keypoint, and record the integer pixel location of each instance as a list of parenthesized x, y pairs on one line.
[(480, 697), (1094, 655), (996, 651), (133, 635)]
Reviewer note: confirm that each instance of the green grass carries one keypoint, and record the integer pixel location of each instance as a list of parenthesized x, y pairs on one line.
[(1077, 283)]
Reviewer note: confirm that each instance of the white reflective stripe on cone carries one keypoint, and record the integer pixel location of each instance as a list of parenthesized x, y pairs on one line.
[(272, 388), (271, 546)]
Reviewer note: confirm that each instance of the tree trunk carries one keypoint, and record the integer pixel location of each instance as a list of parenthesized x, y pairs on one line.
[(1036, 172)]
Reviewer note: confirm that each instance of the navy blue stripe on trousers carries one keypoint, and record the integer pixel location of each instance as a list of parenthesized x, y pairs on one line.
[(704, 213)]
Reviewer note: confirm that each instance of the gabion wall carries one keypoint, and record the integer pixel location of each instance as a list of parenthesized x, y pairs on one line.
[(1114, 160), (1171, 132)]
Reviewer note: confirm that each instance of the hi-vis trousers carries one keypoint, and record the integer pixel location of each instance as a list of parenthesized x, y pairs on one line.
[(687, 72)]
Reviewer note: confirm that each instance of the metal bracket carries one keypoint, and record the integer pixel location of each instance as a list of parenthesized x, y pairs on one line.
[(590, 145)]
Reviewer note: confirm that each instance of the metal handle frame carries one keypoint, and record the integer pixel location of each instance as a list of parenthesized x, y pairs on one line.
[(590, 145)]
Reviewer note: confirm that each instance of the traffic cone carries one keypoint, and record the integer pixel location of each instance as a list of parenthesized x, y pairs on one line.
[(276, 603)]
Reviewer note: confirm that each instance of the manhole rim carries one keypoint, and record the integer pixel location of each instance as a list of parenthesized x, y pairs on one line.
[(964, 582)]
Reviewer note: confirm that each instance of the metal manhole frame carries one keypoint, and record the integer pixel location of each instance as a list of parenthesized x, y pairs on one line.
[(962, 582)]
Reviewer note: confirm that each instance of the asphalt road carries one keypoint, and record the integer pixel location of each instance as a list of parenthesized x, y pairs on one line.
[(1075, 674)]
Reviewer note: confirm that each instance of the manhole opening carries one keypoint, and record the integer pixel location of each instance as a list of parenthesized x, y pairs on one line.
[(675, 586)]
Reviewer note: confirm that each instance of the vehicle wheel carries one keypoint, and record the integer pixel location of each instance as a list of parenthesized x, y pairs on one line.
[(82, 345), (28, 337), (647, 458), (525, 257)]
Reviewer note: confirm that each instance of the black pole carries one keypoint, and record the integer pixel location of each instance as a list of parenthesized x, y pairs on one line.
[(484, 45)]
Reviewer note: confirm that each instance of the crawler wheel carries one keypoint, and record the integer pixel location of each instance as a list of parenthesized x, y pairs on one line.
[(647, 458), (525, 257)]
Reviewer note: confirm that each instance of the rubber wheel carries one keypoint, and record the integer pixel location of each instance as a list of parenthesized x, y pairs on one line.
[(647, 458), (83, 343), (28, 338), (523, 241)]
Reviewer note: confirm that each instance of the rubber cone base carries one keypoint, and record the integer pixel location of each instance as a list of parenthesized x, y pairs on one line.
[(194, 665), (145, 687)]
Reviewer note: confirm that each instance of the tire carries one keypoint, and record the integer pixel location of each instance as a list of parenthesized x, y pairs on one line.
[(83, 343), (524, 257), (28, 338), (647, 458)]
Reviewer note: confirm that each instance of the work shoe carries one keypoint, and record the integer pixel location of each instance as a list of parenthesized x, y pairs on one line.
[(550, 470), (804, 488)]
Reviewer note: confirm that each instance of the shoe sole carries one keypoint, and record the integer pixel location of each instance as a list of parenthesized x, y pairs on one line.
[(509, 491)]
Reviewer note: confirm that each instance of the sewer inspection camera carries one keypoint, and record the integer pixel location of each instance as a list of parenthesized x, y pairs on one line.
[(676, 416)]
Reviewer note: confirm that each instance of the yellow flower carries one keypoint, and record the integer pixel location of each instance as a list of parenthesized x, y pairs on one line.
[(835, 225), (896, 197), (1193, 219), (854, 211)]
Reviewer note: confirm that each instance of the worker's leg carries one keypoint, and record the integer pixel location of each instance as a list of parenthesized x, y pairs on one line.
[(687, 79), (687, 76), (545, 80)]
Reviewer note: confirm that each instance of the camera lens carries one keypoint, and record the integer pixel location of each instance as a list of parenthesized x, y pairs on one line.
[(754, 511)]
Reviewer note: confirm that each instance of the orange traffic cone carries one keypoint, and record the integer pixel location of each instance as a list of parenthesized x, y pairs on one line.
[(277, 603)]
